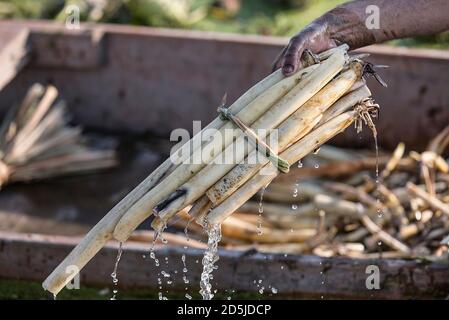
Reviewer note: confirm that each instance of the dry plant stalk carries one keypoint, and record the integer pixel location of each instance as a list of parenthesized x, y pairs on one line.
[(434, 202), (394, 161), (37, 143)]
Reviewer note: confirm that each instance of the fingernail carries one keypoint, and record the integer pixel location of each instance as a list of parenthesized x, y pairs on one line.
[(287, 69)]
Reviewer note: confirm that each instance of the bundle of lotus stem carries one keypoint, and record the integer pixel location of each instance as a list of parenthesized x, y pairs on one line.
[(286, 110)]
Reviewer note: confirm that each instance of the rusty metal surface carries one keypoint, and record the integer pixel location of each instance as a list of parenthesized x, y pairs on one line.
[(33, 257), (155, 80)]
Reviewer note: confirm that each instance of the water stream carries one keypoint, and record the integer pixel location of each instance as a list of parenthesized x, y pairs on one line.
[(114, 272), (209, 260)]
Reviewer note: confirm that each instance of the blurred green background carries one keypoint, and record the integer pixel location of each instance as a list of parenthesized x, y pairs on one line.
[(265, 17)]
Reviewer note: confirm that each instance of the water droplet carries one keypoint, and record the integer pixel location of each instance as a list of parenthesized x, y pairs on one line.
[(379, 243), (294, 206), (316, 166), (117, 261), (261, 290), (300, 164), (188, 296), (165, 274), (380, 214), (274, 290)]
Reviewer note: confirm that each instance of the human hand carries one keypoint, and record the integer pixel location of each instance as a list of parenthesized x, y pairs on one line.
[(315, 37)]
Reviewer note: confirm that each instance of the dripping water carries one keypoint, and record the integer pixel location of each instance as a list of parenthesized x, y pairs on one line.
[(157, 263), (259, 220), (184, 270), (259, 217), (114, 272), (378, 203), (209, 259), (295, 190), (372, 126)]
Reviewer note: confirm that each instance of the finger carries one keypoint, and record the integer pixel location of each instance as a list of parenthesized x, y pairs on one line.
[(278, 61), (291, 57)]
